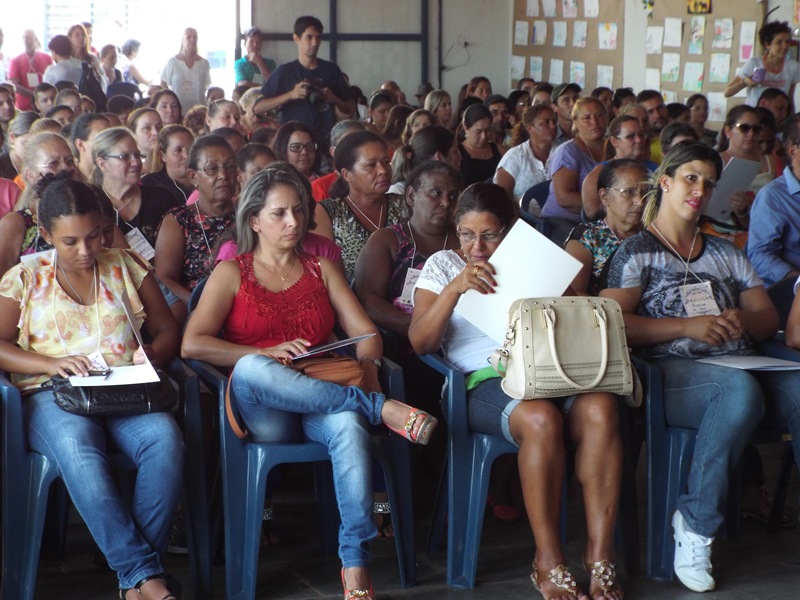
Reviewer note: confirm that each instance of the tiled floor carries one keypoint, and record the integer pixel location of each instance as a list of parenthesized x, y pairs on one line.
[(756, 566)]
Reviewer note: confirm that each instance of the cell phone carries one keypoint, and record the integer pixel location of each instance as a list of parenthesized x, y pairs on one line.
[(102, 373)]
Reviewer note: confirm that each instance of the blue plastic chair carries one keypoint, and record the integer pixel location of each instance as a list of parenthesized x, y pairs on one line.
[(27, 477), (470, 456), (669, 457), (246, 464)]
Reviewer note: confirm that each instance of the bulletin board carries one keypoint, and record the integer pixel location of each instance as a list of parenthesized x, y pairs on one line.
[(711, 46), (575, 41)]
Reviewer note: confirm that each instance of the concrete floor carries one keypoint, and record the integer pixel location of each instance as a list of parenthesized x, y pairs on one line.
[(756, 566)]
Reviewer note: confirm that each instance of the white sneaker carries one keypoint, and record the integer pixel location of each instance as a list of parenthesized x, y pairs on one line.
[(692, 556)]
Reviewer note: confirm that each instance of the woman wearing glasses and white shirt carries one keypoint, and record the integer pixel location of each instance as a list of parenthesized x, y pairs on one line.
[(484, 214)]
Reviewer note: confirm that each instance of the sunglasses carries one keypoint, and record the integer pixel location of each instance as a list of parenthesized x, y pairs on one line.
[(746, 128)]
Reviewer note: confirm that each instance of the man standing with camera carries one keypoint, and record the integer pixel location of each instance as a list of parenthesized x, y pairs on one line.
[(308, 89)]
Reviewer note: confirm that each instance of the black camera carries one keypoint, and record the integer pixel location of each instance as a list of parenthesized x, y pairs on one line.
[(315, 95)]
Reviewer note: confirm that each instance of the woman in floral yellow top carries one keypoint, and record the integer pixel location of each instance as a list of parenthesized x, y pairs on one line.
[(61, 313)]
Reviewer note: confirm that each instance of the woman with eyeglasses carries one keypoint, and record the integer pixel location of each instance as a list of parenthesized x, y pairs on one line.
[(621, 188), (138, 208), (626, 139), (359, 204), (187, 238), (483, 215), (145, 123), (47, 156), (740, 138), (294, 143)]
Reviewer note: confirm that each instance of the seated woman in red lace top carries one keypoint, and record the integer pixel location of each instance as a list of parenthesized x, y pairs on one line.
[(273, 302)]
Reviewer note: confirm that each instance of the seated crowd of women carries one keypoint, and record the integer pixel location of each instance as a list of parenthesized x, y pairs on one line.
[(406, 224)]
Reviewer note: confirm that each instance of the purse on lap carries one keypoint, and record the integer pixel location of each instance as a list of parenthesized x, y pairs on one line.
[(115, 400), (563, 346)]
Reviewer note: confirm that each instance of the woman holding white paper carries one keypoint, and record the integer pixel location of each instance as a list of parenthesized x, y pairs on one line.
[(686, 296), (484, 214), (273, 302), (51, 310)]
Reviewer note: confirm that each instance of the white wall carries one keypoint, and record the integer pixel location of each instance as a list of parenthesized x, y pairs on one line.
[(484, 25)]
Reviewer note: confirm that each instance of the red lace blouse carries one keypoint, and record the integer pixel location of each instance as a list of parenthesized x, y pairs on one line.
[(263, 318)]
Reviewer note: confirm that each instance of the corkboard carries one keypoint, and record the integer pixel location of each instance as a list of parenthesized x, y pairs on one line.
[(739, 11), (591, 56)]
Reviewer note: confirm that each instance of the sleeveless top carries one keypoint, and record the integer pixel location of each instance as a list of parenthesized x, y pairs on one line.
[(262, 318), (32, 242), (474, 170), (200, 238), (406, 258)]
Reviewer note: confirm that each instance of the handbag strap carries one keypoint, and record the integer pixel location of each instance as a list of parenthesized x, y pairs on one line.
[(239, 431), (602, 323), (499, 358)]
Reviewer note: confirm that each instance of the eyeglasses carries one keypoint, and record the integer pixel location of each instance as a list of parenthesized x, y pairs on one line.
[(129, 157), (746, 128), (489, 237), (68, 162), (640, 135), (215, 170), (631, 193), (298, 148)]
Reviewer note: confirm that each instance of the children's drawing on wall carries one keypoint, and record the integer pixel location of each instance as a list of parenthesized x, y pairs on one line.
[(537, 68), (559, 34), (723, 34), (698, 7), (673, 30), (591, 9), (556, 71), (570, 8), (549, 8), (720, 68), (532, 10), (577, 72), (579, 34), (605, 76), (670, 67), (607, 36), (693, 76), (697, 27), (539, 33), (717, 106), (521, 33), (747, 40), (655, 35), (517, 67)]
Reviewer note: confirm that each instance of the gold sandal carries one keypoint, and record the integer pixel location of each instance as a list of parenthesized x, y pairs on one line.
[(560, 576), (604, 573)]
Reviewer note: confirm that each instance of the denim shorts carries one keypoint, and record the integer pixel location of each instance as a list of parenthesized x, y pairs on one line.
[(489, 408)]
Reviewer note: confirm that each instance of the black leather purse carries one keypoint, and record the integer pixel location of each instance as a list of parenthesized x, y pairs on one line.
[(115, 400)]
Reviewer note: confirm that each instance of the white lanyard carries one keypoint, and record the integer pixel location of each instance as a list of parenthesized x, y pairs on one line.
[(685, 262)]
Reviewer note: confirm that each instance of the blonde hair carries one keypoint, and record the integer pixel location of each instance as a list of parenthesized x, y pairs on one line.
[(579, 104)]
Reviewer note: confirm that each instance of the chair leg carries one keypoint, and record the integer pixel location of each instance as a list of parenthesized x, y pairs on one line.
[(779, 499), (329, 509), (439, 517)]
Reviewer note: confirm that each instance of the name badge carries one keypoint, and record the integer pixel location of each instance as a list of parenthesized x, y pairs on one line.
[(698, 299), (139, 244), (408, 287), (97, 360), (33, 80)]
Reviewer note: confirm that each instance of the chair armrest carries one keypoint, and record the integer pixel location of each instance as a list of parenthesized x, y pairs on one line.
[(454, 401), (391, 380)]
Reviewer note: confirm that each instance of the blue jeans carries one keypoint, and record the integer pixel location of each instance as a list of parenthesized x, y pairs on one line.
[(133, 537), (725, 405), (276, 402)]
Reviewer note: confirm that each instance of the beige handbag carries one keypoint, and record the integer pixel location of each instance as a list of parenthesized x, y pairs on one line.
[(563, 346)]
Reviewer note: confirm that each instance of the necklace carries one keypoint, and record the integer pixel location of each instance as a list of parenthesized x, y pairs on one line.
[(411, 233), (116, 210), (202, 227), (363, 214), (274, 270), (586, 149), (686, 260), (96, 303), (74, 291), (614, 233)]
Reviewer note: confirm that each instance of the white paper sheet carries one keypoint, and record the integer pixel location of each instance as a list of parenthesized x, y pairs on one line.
[(723, 34), (693, 73), (126, 375), (532, 8), (549, 8), (527, 265), (655, 36), (697, 33), (536, 68), (591, 9), (747, 40), (577, 72), (720, 67), (333, 345), (570, 8), (539, 33), (607, 36), (579, 33), (737, 175), (556, 71), (753, 363), (717, 106), (521, 29), (517, 67), (670, 67), (652, 79), (605, 76), (559, 34), (673, 28)]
